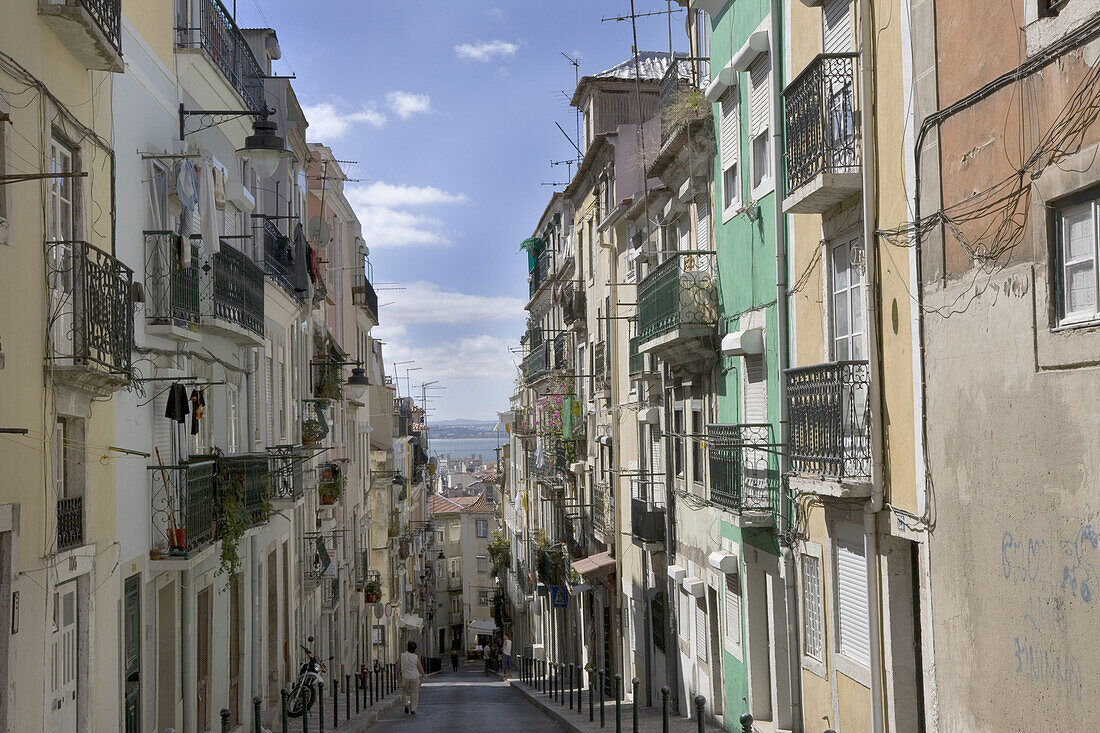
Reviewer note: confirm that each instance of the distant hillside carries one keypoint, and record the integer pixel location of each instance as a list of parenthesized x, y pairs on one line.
[(464, 423), (439, 430)]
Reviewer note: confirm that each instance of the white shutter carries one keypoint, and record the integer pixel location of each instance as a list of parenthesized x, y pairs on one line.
[(163, 431), (656, 464), (836, 26), (700, 629), (755, 389), (733, 610), (759, 94), (730, 130), (702, 223), (852, 607), (269, 378)]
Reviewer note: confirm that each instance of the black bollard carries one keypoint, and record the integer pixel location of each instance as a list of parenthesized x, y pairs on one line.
[(618, 703), (370, 686), (321, 706), (550, 692), (570, 685), (634, 703), (285, 694), (601, 679), (225, 720), (591, 697), (664, 708), (256, 703), (561, 684), (305, 720), (347, 697), (335, 702), (700, 706), (358, 680), (746, 723)]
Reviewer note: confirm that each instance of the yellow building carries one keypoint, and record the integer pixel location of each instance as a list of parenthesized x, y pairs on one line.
[(853, 442)]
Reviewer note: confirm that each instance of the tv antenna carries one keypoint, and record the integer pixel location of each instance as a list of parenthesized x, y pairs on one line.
[(576, 112)]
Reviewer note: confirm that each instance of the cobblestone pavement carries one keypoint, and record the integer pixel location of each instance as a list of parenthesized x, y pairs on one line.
[(468, 702)]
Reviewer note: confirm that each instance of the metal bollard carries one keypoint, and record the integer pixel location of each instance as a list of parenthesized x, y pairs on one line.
[(321, 706), (369, 681), (591, 697), (347, 697), (700, 706), (570, 685), (634, 703), (601, 681), (746, 723), (618, 703), (225, 720), (256, 703), (335, 702), (561, 686), (305, 721), (550, 692), (284, 695), (664, 708)]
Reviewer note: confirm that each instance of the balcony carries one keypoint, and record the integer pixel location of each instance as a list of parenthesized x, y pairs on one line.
[(90, 29), (456, 618), (70, 522), (207, 26), (319, 556), (171, 288), (235, 303), (537, 363), (187, 499), (543, 266), (600, 371), (647, 511), (829, 413), (574, 310), (682, 101), (822, 134), (678, 309), (364, 295), (744, 472), (287, 474), (454, 583), (330, 596), (563, 352), (91, 324), (285, 260)]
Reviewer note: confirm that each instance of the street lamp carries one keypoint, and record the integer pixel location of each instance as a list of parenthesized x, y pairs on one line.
[(264, 148), (357, 383)]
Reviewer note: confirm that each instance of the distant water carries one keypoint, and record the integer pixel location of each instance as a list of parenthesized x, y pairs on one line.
[(466, 447)]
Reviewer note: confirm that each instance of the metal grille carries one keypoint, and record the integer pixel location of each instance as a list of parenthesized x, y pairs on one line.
[(544, 265), (171, 291), (107, 14), (647, 510), (217, 34), (680, 292), (830, 419), (285, 261), (287, 474), (253, 472), (331, 597), (184, 506), (677, 81), (364, 295), (562, 352), (820, 110), (238, 290), (744, 468), (70, 522), (91, 321), (537, 363)]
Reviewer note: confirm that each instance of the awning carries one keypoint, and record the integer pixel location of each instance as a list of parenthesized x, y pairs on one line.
[(412, 622), (594, 564), (483, 626)]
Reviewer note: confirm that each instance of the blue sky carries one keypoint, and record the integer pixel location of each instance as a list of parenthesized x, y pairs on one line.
[(449, 108)]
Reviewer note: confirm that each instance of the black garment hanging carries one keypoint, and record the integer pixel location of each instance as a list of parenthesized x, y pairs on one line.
[(198, 409), (177, 408)]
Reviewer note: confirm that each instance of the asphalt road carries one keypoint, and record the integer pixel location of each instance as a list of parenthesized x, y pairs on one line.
[(468, 702)]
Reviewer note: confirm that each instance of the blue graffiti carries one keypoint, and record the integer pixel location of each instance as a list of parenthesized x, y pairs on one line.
[(1035, 562)]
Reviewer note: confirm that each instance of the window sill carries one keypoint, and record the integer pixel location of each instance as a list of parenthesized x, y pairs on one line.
[(852, 669), (815, 667), (1073, 325), (731, 211), (766, 186)]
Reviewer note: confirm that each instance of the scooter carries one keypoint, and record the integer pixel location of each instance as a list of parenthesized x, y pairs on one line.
[(304, 691)]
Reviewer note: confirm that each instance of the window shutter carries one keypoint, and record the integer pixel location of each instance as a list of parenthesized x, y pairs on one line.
[(851, 575), (759, 94), (656, 464), (730, 132), (163, 431), (701, 629), (836, 27), (702, 223), (269, 379), (733, 609), (756, 389)]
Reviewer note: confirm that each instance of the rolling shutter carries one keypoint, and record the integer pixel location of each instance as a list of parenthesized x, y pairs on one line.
[(700, 629), (755, 389), (163, 431), (759, 94), (733, 609), (836, 26), (702, 222), (852, 606), (656, 464), (730, 132)]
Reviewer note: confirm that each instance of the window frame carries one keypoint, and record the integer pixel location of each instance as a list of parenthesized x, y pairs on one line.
[(1089, 201), (766, 183), (816, 664), (730, 154), (853, 241), (733, 644), (479, 526), (854, 667)]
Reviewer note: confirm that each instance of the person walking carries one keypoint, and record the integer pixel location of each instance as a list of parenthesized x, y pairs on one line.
[(454, 658), (411, 674), (507, 653)]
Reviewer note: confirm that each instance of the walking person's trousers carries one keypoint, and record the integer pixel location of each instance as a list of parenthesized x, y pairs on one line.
[(410, 692)]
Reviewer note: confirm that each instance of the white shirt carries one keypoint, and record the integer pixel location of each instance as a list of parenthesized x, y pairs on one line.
[(507, 647), (409, 670)]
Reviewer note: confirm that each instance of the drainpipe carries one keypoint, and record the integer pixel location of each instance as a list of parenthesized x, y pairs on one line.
[(794, 661), (871, 295), (188, 660), (257, 612), (672, 652)]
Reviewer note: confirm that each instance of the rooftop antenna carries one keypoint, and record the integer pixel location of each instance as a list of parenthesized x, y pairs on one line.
[(576, 112)]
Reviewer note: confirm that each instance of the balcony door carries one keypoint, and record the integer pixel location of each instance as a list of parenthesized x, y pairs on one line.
[(838, 36), (61, 260), (131, 648), (849, 343)]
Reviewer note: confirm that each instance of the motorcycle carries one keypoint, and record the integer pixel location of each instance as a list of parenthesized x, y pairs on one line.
[(304, 691)]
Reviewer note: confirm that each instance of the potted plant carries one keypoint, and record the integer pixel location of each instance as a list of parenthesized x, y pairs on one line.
[(373, 590), (331, 485), (311, 431)]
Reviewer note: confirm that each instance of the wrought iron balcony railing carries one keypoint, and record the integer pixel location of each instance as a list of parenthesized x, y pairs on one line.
[(544, 265), (829, 413), (600, 369), (574, 306), (647, 510), (91, 321), (744, 468), (254, 474), (330, 599), (171, 290), (678, 293), (601, 507), (90, 29), (537, 363), (207, 25), (364, 295), (635, 358), (820, 107), (238, 292), (287, 473), (285, 261), (681, 99), (562, 352), (70, 522), (454, 583)]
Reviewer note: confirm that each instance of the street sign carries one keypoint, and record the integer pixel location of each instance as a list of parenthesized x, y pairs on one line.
[(559, 596)]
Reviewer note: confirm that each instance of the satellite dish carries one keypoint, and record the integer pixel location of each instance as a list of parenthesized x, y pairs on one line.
[(319, 230)]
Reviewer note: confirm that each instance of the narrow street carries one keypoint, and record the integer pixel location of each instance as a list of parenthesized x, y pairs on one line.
[(467, 702)]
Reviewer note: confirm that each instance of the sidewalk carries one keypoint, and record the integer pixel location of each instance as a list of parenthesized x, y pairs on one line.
[(649, 719)]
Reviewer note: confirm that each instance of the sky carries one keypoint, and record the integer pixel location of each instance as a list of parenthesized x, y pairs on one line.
[(448, 108)]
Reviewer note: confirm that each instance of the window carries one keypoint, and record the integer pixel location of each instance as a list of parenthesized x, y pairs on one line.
[(853, 623), (456, 567), (61, 193), (483, 597), (232, 418), (812, 633), (657, 619), (697, 446), (702, 220), (678, 439), (455, 531), (731, 629), (701, 629), (591, 252), (759, 118), (1078, 237), (684, 614), (482, 528), (847, 300), (456, 604), (482, 564), (729, 145)]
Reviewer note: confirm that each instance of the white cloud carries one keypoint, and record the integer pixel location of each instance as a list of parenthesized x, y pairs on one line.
[(473, 358), (407, 104), (486, 50), (384, 227), (392, 195), (425, 302), (495, 13), (328, 122)]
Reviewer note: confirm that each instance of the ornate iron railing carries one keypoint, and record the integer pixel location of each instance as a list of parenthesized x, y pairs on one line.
[(647, 510), (253, 471), (107, 14), (573, 308), (285, 261), (635, 359), (820, 107), (184, 506), (171, 290), (330, 599), (91, 318), (364, 295), (601, 501), (744, 468), (320, 555), (676, 105), (543, 267), (562, 352), (537, 363), (600, 369), (678, 293), (70, 522), (829, 414), (215, 32), (287, 473), (238, 290)]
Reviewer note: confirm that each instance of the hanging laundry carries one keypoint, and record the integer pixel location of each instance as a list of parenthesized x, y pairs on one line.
[(198, 409), (219, 187), (177, 408), (208, 212), (187, 191), (312, 264)]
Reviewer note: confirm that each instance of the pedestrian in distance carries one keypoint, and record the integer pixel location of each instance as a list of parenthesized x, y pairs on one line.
[(411, 674), (507, 652), (454, 660)]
